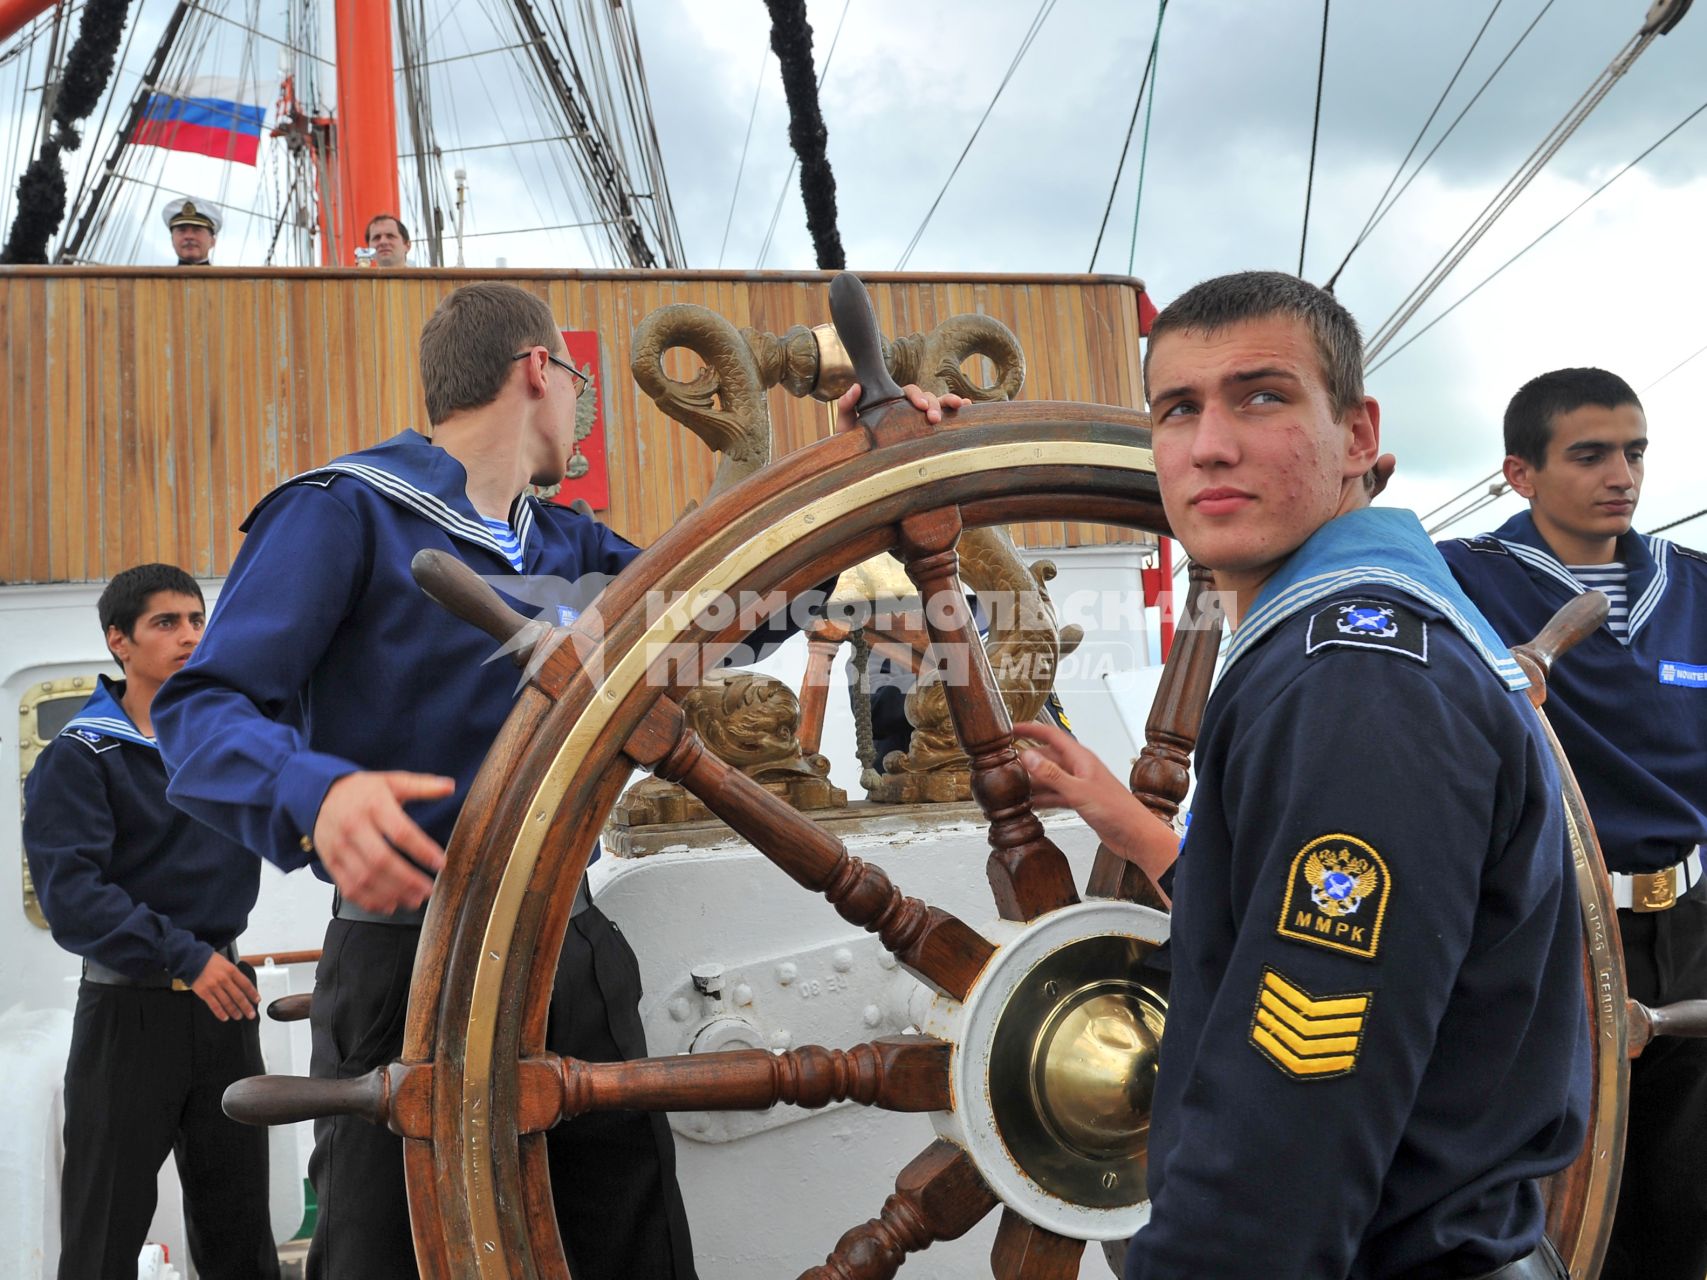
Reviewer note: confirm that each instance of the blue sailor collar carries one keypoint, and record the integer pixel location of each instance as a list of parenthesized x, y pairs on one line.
[(102, 722), (1647, 558), (1373, 547), (417, 475)]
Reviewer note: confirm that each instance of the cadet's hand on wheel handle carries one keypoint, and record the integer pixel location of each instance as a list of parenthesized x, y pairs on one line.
[(933, 407), (362, 836), (1067, 774), (226, 989)]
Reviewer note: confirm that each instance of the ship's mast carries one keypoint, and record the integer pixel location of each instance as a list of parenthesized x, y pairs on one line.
[(366, 131)]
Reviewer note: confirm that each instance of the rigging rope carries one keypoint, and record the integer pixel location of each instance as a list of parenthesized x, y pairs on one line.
[(41, 191), (100, 128), (1315, 133), (1682, 520), (1043, 11), (20, 132), (1131, 127), (1460, 495), (1494, 494), (1538, 239), (1144, 147), (1514, 187), (1378, 212), (764, 61), (794, 160), (1686, 359), (791, 41)]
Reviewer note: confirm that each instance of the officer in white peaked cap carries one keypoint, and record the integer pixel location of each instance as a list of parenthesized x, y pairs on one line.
[(194, 225)]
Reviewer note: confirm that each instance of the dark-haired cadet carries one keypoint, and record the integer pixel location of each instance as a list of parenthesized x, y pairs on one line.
[(331, 692), (1630, 706), (1376, 1040), (152, 900)]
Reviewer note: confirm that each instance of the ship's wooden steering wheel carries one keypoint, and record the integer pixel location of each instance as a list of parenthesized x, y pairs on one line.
[(1038, 1028)]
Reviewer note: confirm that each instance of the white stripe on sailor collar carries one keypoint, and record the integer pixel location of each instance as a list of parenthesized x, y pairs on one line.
[(1640, 610), (1309, 590), (109, 727), (1545, 563), (1643, 609), (430, 505)]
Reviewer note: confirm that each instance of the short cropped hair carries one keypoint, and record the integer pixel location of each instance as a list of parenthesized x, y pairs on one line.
[(126, 596), (367, 235), (470, 342), (1529, 416), (1218, 304)]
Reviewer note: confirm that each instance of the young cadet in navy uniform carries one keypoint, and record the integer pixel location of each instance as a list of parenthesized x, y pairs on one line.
[(152, 900), (331, 691), (1377, 1039), (1630, 706)]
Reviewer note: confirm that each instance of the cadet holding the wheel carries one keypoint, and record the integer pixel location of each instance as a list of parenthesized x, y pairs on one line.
[(1377, 1038), (330, 692)]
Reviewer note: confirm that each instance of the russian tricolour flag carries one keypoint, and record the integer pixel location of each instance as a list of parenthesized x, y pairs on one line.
[(208, 115)]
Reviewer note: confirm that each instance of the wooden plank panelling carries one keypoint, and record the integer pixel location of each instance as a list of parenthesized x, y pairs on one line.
[(147, 409)]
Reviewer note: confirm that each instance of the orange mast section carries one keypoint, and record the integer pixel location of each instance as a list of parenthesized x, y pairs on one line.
[(366, 137), (16, 14)]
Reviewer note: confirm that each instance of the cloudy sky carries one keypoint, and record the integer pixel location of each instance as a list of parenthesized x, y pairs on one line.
[(1619, 285)]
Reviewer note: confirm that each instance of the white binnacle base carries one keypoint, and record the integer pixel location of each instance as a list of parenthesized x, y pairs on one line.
[(971, 1028)]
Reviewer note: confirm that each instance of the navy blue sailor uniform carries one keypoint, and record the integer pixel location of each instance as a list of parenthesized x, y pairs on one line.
[(322, 658), (1632, 717), (146, 895), (1377, 1037)]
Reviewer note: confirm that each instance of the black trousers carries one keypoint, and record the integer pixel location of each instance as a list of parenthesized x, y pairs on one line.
[(147, 1069), (1660, 1229), (613, 1175)]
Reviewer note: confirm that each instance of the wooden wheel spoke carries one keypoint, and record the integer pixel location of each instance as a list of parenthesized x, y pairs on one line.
[(1028, 874), (897, 1073), (1161, 775), (939, 1196), (1026, 1251), (935, 946)]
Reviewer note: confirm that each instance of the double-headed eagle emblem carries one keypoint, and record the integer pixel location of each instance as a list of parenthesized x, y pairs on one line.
[(1340, 880)]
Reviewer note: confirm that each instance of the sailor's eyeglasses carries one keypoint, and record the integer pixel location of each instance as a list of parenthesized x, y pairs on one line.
[(581, 379)]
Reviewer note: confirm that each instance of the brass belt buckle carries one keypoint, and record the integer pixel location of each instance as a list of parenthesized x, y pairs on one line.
[(1654, 890)]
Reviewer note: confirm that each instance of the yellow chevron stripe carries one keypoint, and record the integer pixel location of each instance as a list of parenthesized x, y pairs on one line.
[(1326, 1044), (1300, 1066), (1308, 1004), (1306, 1026)]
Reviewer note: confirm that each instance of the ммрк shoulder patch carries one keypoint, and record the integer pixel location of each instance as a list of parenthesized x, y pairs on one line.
[(1368, 624), (1308, 1037), (1336, 896)]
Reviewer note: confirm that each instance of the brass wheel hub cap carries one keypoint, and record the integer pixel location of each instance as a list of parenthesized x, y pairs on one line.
[(1073, 1070)]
